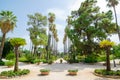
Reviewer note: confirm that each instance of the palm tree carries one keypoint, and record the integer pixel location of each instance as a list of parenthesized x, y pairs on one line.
[(37, 21), (51, 19), (7, 23), (113, 3), (17, 42)]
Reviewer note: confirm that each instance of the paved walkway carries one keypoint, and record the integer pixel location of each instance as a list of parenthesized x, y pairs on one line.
[(59, 71)]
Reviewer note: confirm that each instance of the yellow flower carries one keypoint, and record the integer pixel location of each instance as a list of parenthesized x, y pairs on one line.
[(106, 43)]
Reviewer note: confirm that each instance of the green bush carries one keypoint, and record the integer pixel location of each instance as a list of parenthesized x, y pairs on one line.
[(37, 60), (30, 58), (10, 56), (2, 63), (11, 73), (72, 70), (50, 61), (90, 59), (44, 61), (9, 63), (44, 70), (73, 61), (105, 72), (23, 59), (80, 58)]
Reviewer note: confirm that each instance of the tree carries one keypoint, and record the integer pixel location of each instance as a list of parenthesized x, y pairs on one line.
[(51, 19), (17, 42), (106, 44), (37, 31), (89, 26), (113, 3), (7, 23)]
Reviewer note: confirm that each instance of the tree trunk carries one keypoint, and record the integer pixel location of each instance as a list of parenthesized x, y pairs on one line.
[(118, 30), (48, 46), (2, 45), (108, 68), (16, 60), (34, 53)]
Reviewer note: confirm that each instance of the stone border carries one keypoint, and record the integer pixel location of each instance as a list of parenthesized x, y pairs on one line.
[(106, 76)]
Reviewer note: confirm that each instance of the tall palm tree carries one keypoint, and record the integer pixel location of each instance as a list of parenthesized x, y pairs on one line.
[(7, 23), (51, 19), (113, 3)]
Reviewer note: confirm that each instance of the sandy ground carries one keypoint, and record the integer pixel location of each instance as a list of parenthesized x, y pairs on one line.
[(59, 71)]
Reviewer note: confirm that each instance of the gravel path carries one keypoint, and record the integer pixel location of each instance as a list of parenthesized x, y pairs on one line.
[(59, 71)]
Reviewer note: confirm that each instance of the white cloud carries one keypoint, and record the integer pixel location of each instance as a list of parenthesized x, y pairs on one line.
[(75, 5)]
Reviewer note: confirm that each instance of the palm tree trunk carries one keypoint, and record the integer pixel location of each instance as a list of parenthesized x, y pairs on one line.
[(2, 45), (108, 68), (118, 30), (16, 61)]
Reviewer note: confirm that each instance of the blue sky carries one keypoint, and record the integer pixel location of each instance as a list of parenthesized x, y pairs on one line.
[(61, 8)]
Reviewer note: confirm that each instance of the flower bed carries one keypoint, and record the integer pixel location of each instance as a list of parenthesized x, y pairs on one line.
[(107, 74)]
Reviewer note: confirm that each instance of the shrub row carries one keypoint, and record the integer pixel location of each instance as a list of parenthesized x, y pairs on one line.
[(11, 73), (105, 72)]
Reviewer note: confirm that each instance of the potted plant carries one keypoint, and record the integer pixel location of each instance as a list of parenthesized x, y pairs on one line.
[(9, 64), (44, 71), (72, 71)]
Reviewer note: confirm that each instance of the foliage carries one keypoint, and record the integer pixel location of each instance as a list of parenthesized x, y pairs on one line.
[(7, 23), (37, 31), (2, 63), (10, 56), (73, 70), (50, 61), (13, 74), (106, 43), (44, 70), (91, 59), (30, 58), (37, 60), (89, 26), (9, 63), (17, 41), (23, 59), (73, 61), (7, 48), (116, 51), (44, 61), (105, 72)]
